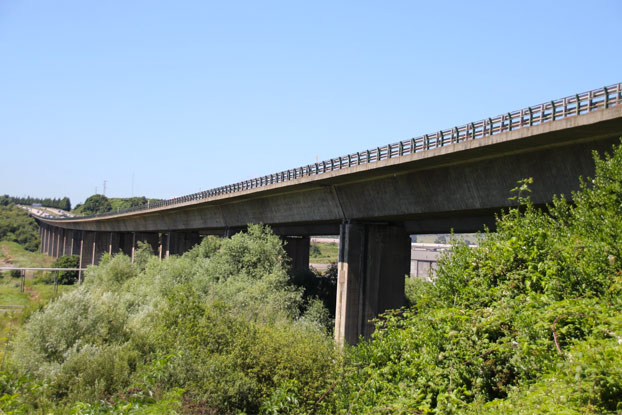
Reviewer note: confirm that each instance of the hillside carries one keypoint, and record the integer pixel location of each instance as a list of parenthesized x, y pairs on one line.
[(17, 226)]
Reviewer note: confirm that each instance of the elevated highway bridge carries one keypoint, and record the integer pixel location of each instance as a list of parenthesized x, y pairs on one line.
[(453, 179)]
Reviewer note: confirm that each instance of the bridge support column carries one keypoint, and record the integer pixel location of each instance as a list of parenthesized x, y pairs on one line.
[(373, 262), (88, 248), (114, 242), (101, 245), (51, 241), (76, 237), (48, 240), (81, 264), (125, 243), (65, 249), (56, 242), (297, 249), (176, 243), (43, 238)]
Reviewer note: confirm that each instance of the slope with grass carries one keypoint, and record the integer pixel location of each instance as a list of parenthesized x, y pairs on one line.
[(17, 226)]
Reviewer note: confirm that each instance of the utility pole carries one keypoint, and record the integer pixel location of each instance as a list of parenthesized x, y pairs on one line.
[(105, 181)]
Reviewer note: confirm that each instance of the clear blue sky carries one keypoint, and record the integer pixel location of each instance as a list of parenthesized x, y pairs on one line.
[(190, 95)]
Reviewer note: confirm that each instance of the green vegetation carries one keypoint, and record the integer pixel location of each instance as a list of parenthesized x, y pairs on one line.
[(67, 277), (218, 330), (323, 253), (63, 203), (527, 322), (17, 306), (93, 205), (101, 204), (17, 226), (120, 203), (14, 254)]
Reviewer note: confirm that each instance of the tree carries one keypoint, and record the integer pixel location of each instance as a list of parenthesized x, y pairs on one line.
[(96, 204)]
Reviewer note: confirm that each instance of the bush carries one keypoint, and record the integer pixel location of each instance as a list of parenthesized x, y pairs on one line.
[(219, 329), (67, 277)]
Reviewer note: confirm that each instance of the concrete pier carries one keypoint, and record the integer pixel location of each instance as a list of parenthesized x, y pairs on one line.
[(373, 262), (297, 249)]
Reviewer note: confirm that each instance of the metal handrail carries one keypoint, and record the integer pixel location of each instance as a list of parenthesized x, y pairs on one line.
[(567, 107)]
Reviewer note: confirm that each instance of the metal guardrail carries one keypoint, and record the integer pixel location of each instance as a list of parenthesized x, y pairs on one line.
[(571, 106)]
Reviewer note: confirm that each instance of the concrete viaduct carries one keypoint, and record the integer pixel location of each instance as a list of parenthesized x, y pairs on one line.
[(452, 179)]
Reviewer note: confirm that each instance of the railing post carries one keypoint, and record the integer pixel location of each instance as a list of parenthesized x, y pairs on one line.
[(552, 110), (606, 97), (589, 101), (578, 106), (565, 107)]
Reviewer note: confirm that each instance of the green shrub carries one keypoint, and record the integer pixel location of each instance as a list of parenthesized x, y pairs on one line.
[(218, 329), (67, 277)]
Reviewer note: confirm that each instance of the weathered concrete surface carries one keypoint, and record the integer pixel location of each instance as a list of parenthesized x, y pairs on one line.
[(459, 185), (373, 261)]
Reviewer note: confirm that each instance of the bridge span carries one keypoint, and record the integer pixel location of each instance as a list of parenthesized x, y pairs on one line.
[(455, 178)]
